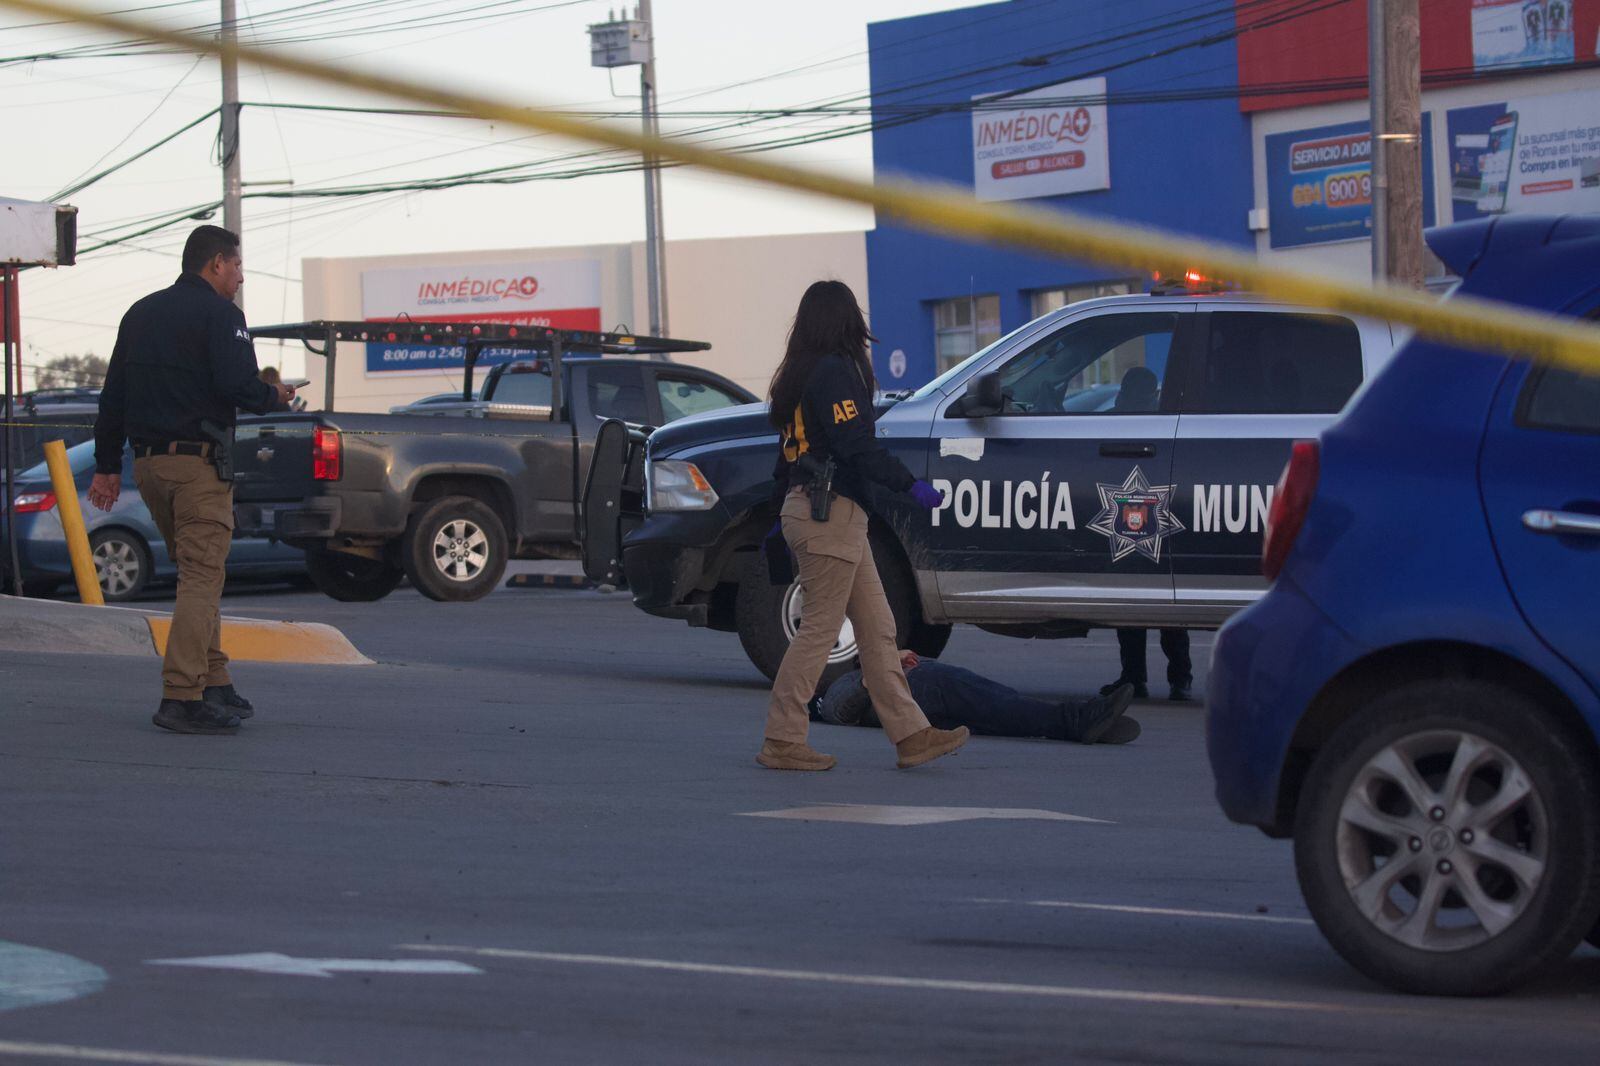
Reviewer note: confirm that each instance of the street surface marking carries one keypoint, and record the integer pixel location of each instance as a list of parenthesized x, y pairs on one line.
[(34, 977), (1167, 912), (146, 1058), (874, 814), (272, 962), (926, 984)]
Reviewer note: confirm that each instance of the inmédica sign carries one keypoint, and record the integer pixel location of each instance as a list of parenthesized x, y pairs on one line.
[(1048, 142)]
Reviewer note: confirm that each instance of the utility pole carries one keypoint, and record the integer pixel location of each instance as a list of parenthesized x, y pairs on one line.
[(625, 42), (655, 251), (1394, 32), (232, 185)]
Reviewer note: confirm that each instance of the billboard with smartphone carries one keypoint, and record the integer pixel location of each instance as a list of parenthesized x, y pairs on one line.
[(1319, 183), (1536, 153)]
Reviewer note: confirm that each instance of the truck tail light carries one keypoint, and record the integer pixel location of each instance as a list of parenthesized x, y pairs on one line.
[(1290, 502), (327, 454), (34, 502)]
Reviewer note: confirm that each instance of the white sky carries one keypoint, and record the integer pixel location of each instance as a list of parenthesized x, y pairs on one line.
[(65, 119)]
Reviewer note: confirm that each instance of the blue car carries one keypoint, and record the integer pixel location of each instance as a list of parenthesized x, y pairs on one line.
[(1416, 699), (129, 554)]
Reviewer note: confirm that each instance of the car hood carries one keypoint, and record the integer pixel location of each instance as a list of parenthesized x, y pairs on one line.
[(730, 423)]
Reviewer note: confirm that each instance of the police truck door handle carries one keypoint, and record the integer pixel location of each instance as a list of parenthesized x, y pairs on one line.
[(1127, 451), (1562, 523)]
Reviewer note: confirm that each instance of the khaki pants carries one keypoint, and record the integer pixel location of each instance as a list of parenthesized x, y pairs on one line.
[(193, 508), (839, 578)]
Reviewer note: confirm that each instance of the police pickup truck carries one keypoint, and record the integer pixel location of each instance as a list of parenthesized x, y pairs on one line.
[(1111, 463), (446, 501)]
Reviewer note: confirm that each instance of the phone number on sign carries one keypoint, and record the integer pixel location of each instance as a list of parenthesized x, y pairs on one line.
[(1351, 189)]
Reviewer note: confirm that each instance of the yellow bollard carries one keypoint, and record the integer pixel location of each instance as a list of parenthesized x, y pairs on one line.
[(55, 456)]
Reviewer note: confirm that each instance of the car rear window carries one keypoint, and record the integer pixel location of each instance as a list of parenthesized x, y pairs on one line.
[(1261, 362)]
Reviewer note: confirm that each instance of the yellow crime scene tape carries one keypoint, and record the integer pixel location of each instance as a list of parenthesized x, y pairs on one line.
[(1484, 325)]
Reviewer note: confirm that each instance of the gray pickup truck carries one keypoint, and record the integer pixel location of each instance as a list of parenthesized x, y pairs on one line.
[(446, 498)]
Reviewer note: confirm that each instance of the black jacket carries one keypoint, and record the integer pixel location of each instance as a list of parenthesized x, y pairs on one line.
[(834, 420), (183, 356)]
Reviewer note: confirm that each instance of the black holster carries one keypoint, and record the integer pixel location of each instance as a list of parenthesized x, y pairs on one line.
[(817, 477), (222, 450)]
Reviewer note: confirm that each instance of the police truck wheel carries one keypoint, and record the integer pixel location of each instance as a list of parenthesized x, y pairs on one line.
[(121, 564), (455, 549), (351, 578), (1446, 841), (767, 616)]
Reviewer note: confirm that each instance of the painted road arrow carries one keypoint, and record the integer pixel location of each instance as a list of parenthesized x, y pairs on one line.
[(272, 962)]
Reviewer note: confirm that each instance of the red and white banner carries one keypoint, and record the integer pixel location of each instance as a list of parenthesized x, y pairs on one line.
[(562, 293)]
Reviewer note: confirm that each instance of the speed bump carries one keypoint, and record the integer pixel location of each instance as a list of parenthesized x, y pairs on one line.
[(253, 640)]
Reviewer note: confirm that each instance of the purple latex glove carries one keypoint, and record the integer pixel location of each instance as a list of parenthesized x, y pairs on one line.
[(926, 495)]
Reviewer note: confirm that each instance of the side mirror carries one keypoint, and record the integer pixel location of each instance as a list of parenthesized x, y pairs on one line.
[(982, 399)]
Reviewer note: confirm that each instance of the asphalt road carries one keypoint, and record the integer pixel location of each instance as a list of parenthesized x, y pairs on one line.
[(555, 791)]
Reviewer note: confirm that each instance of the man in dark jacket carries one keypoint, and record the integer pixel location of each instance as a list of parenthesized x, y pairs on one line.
[(952, 697), (183, 363)]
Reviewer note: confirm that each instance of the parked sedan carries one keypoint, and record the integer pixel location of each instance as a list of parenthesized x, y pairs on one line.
[(1416, 701), (129, 554)]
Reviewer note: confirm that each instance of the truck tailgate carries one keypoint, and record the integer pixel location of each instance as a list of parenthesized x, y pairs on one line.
[(272, 459)]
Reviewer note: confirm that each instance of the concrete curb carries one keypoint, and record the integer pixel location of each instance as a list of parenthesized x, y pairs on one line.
[(71, 628)]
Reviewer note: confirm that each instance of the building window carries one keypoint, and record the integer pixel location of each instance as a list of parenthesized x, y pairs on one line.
[(963, 326), (1047, 300)]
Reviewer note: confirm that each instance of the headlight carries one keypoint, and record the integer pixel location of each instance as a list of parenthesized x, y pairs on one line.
[(679, 486)]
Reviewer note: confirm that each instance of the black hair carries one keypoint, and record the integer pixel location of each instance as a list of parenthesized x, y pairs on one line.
[(205, 244), (828, 322)]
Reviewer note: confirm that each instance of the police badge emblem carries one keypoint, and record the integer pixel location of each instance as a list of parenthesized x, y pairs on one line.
[(1136, 517)]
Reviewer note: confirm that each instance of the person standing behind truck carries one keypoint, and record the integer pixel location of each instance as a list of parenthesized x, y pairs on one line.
[(821, 401), (182, 364)]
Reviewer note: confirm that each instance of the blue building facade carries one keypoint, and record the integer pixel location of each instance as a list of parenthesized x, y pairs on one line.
[(1176, 162)]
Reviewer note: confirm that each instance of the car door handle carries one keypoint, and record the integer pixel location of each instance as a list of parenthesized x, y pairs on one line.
[(1127, 451), (1562, 523)]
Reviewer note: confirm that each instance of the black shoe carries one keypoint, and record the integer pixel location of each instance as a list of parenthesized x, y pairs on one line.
[(1141, 691), (194, 716), (1181, 694), (227, 698), (1089, 720), (1124, 730)]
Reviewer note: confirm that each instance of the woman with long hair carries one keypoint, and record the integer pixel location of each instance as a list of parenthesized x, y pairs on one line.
[(821, 403)]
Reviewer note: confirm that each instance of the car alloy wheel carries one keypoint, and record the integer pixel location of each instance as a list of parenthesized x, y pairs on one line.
[(460, 550), (116, 565), (1442, 840), (844, 647)]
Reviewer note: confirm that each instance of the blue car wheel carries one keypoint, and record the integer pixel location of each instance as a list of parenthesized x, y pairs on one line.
[(122, 563), (1446, 839)]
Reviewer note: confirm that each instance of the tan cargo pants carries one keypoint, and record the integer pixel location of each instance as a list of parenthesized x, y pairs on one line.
[(839, 579), (193, 508)]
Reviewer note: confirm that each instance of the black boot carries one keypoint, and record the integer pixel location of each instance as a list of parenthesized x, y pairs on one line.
[(1088, 721), (194, 716), (227, 698), (1124, 730), (1141, 691)]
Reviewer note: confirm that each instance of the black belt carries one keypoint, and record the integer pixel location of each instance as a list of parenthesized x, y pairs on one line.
[(177, 447)]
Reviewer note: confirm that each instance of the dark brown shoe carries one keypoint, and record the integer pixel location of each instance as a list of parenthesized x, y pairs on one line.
[(194, 716), (789, 755), (929, 744)]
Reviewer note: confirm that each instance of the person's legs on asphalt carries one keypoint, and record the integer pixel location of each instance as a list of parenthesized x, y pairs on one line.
[(1131, 650), (193, 508), (1180, 670)]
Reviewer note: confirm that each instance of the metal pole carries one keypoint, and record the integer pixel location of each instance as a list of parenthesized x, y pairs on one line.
[(330, 352), (8, 291), (654, 237), (1377, 74), (232, 184)]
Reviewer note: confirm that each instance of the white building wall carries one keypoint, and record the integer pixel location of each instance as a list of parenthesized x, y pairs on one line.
[(1354, 258), (739, 294)]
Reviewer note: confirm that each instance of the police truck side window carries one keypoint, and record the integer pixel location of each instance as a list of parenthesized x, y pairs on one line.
[(1275, 363), (1109, 364)]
